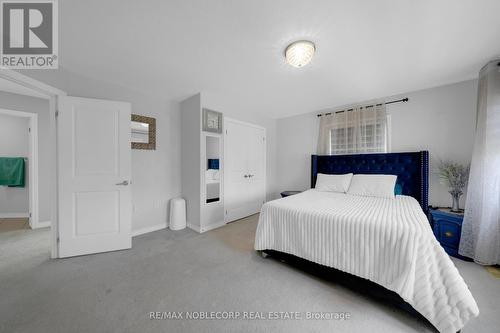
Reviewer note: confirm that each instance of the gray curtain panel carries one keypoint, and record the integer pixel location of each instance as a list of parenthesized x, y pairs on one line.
[(481, 226)]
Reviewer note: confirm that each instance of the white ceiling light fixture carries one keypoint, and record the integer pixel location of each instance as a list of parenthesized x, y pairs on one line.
[(299, 53)]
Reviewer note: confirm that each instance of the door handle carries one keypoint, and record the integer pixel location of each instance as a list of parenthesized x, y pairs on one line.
[(123, 183), (246, 176), (250, 176)]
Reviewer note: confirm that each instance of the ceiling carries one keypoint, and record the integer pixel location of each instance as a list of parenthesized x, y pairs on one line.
[(365, 49), (11, 87)]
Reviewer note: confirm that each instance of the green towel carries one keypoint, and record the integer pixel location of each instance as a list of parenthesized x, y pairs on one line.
[(12, 171)]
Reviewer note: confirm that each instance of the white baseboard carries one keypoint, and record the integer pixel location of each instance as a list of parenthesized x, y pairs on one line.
[(193, 227), (14, 215), (43, 224), (149, 229), (206, 228), (214, 226)]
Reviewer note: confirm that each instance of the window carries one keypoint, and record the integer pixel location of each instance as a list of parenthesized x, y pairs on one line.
[(373, 138), (355, 131)]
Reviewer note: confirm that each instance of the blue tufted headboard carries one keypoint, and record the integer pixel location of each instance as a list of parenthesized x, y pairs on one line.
[(411, 168)]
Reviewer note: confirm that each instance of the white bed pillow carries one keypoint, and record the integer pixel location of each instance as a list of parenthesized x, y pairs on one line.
[(381, 186), (333, 183)]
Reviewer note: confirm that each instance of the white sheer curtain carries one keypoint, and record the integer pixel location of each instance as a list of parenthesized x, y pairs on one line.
[(481, 226), (360, 130)]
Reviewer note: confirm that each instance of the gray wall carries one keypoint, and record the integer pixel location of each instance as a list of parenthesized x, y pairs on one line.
[(190, 158), (156, 174), (441, 120), (14, 142), (41, 107), (217, 102)]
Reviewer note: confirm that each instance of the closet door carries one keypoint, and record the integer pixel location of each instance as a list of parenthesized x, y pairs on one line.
[(256, 168), (244, 160)]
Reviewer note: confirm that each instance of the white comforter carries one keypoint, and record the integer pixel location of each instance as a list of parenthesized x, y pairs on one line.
[(387, 241)]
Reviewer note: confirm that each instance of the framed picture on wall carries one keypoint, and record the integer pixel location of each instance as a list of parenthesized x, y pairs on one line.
[(212, 121)]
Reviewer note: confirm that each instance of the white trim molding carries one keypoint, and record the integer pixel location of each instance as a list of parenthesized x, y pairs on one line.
[(194, 227), (52, 93), (146, 230), (44, 224), (32, 162), (30, 83), (206, 228), (14, 215)]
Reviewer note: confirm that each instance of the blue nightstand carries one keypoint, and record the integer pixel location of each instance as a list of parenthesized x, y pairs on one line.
[(447, 228), (289, 193)]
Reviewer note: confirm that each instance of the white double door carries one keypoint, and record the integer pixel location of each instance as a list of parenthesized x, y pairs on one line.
[(244, 170)]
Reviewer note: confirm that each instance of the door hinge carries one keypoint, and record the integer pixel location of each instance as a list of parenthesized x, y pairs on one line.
[(57, 113), (226, 132), (30, 214), (57, 240), (226, 212), (29, 129)]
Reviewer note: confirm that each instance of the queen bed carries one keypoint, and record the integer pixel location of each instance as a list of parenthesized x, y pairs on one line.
[(384, 240)]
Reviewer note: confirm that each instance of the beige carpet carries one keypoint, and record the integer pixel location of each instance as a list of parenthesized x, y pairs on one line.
[(494, 270), (12, 224)]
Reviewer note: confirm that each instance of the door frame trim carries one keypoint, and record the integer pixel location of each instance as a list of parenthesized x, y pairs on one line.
[(242, 123), (52, 94), (32, 163)]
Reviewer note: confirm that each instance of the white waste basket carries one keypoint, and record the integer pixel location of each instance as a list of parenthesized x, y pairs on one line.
[(177, 214)]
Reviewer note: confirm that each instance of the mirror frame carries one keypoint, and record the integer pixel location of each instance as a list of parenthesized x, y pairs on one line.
[(151, 145)]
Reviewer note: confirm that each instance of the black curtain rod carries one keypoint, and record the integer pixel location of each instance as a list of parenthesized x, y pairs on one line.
[(366, 107)]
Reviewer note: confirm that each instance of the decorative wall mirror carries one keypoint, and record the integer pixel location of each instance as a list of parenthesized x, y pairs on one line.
[(143, 134)]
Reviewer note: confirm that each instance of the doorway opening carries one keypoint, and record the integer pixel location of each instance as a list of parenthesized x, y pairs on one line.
[(25, 200)]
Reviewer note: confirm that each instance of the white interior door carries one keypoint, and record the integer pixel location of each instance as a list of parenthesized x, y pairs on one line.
[(244, 170), (94, 163)]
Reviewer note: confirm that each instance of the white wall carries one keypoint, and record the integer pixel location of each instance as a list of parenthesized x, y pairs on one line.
[(190, 158), (441, 120), (155, 173), (218, 102), (14, 142), (41, 107)]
